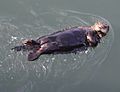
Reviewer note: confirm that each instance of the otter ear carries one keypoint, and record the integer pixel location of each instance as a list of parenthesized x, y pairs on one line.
[(33, 56)]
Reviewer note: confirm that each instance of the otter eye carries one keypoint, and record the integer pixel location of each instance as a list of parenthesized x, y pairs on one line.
[(100, 32), (104, 26)]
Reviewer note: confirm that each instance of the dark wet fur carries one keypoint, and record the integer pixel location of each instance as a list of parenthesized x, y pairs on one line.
[(61, 42)]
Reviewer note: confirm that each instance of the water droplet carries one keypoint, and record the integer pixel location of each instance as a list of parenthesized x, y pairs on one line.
[(53, 58), (11, 78), (65, 60), (75, 59), (13, 38)]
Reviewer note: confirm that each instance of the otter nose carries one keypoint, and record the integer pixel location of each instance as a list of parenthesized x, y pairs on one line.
[(105, 29)]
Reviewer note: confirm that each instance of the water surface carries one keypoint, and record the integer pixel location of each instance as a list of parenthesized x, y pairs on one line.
[(50, 73)]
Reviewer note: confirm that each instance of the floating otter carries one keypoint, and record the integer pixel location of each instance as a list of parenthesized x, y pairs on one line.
[(68, 40)]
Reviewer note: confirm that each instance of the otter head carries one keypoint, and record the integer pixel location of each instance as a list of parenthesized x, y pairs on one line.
[(101, 28)]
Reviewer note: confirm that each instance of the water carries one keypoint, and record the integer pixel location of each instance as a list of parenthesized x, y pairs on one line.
[(51, 73), (54, 71)]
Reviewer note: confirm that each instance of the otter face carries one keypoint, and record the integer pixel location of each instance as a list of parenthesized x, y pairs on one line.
[(101, 28)]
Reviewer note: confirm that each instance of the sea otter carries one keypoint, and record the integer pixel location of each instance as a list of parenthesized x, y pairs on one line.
[(67, 40)]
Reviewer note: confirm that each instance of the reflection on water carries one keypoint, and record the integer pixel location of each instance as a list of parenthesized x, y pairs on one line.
[(51, 72)]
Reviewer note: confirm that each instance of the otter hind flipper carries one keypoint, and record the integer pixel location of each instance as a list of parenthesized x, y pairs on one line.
[(33, 56), (18, 48)]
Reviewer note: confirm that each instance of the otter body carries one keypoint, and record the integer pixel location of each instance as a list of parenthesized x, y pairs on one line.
[(66, 41)]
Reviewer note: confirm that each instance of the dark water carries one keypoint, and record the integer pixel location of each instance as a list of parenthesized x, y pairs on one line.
[(94, 69)]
